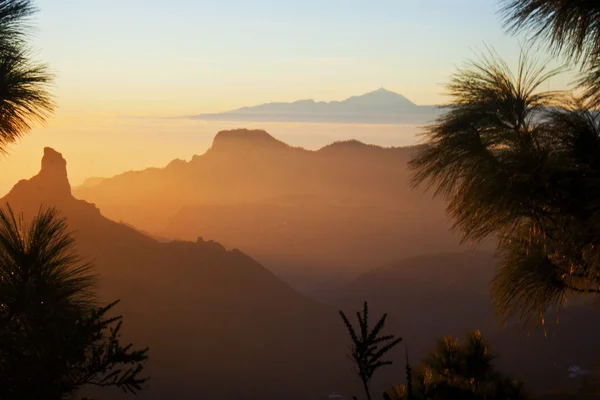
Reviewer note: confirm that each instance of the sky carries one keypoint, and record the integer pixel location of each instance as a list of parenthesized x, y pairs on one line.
[(147, 58)]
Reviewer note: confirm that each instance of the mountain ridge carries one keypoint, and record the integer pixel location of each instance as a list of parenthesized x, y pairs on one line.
[(174, 293), (177, 292), (352, 205), (380, 106), (247, 140)]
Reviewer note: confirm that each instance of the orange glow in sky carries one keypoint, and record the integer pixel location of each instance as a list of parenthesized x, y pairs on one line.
[(114, 60)]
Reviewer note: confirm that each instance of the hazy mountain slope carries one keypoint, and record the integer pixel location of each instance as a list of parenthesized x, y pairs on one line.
[(340, 210), (448, 294), (301, 240), (245, 166), (377, 107), (218, 324)]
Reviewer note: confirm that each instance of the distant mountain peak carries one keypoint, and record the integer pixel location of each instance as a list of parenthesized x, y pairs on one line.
[(382, 97), (245, 138), (375, 107)]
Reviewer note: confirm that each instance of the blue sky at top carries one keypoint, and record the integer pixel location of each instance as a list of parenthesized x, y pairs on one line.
[(148, 57)]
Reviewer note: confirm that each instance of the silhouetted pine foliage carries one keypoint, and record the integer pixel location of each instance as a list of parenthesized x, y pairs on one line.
[(569, 27), (54, 337), (24, 84), (459, 371), (368, 348), (521, 164), (14, 28)]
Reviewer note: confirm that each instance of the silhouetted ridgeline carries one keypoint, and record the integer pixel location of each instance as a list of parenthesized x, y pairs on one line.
[(218, 324), (309, 216)]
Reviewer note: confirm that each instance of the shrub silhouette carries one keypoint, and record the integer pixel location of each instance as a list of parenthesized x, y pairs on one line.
[(459, 371), (368, 347), (54, 337)]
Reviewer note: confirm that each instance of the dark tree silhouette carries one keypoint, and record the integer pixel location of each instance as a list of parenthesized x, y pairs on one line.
[(522, 165), (458, 371), (24, 83), (463, 371), (54, 337), (568, 27), (368, 347), (477, 360), (13, 23), (447, 361)]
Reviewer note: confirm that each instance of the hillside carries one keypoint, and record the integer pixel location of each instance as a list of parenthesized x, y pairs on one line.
[(218, 324), (306, 215), (221, 325)]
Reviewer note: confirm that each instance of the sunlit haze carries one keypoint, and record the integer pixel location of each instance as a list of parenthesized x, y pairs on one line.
[(115, 59), (279, 197)]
